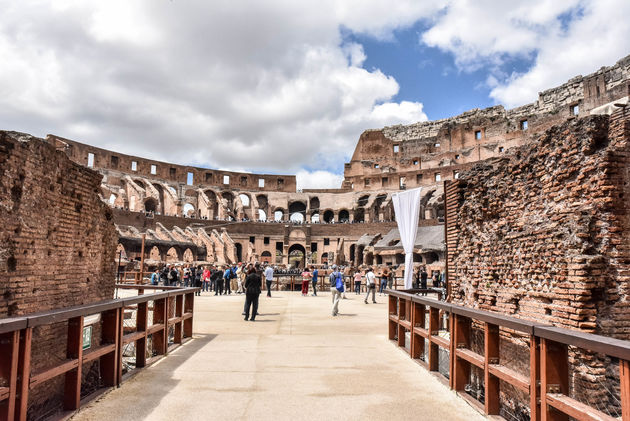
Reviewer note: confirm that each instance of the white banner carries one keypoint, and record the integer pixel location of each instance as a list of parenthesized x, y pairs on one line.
[(407, 209)]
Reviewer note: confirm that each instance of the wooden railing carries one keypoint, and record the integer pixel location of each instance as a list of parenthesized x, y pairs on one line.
[(16, 342), (547, 385)]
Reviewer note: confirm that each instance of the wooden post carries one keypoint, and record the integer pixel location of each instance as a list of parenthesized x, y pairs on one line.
[(119, 347), (402, 315), (534, 378), (109, 335), (434, 349), (24, 369), (491, 352), (452, 348), (392, 310), (554, 377), (159, 316), (72, 387), (461, 371), (179, 312), (9, 349), (142, 317), (141, 292), (624, 381), (417, 321), (189, 304)]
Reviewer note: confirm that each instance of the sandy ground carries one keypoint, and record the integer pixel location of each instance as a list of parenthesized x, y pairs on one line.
[(295, 362)]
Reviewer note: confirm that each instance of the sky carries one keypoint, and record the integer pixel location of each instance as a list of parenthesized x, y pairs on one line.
[(283, 87)]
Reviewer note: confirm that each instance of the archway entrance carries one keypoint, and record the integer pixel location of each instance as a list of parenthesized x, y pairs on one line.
[(297, 255), (239, 252)]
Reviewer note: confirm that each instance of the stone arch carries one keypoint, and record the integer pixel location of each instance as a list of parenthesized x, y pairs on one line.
[(314, 204), (246, 202), (297, 211), (431, 257), (278, 214), (297, 255), (363, 200), (172, 255), (417, 258), (352, 253), (262, 215), (399, 258), (369, 258), (324, 260), (238, 248), (379, 259), (229, 198), (140, 184), (150, 205), (329, 216), (112, 199), (188, 210), (213, 204), (375, 209), (155, 254), (359, 215), (315, 217), (188, 256), (265, 256), (360, 250), (344, 216), (160, 205)]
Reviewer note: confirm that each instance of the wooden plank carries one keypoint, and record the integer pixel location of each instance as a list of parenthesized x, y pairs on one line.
[(155, 328), (510, 376), (109, 337), (142, 320), (624, 382), (134, 336), (98, 352), (554, 377), (440, 341), (160, 315), (405, 323), (470, 357), (434, 322), (189, 305), (9, 349), (46, 374), (72, 386), (575, 409), (492, 384), (534, 378), (461, 340), (421, 332), (588, 341), (24, 369)]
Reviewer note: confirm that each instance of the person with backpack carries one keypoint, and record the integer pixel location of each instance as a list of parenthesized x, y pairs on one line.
[(218, 282), (227, 277), (155, 277), (337, 287), (370, 283)]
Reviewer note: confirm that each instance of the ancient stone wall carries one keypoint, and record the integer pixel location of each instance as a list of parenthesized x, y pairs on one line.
[(543, 233), (57, 243)]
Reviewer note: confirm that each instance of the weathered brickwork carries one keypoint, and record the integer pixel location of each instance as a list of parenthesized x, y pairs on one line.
[(57, 244), (540, 234)]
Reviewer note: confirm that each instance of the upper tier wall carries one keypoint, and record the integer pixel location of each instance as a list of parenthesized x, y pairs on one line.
[(109, 160)]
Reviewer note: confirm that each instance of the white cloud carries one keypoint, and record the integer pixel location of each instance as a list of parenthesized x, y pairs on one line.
[(269, 86), (317, 179), (561, 38)]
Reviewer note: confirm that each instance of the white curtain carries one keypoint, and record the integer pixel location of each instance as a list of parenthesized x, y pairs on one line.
[(407, 209)]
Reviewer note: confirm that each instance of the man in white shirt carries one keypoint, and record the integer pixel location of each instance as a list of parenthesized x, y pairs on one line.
[(269, 279), (370, 280)]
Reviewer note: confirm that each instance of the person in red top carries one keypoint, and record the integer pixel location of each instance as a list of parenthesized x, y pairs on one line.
[(306, 279), (206, 279)]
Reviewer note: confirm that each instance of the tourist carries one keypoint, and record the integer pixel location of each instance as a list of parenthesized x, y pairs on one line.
[(155, 277), (206, 279), (218, 282), (384, 276), (186, 277), (269, 279), (252, 288), (197, 282), (436, 279), (306, 280), (233, 279), (370, 283), (315, 275), (390, 279), (241, 273), (227, 277), (164, 275), (173, 277), (331, 281), (337, 289), (423, 279), (357, 282)]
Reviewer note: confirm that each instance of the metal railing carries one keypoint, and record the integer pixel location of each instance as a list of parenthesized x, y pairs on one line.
[(426, 328), (157, 315)]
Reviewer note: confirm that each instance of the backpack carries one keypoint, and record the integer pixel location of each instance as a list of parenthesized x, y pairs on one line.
[(339, 282)]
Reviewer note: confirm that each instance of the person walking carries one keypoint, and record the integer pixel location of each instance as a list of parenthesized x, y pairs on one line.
[(155, 277), (357, 282), (423, 279), (306, 279), (332, 281), (338, 290), (269, 279), (370, 283), (197, 279), (205, 278), (252, 288), (315, 275)]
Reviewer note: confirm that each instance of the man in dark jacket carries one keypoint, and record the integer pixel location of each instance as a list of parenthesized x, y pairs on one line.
[(218, 282), (252, 293)]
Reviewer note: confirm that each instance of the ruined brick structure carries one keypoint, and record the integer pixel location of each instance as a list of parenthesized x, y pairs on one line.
[(57, 243)]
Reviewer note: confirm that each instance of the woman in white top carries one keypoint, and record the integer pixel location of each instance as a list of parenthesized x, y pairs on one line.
[(370, 280)]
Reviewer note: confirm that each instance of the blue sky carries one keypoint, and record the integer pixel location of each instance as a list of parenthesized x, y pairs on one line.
[(280, 86)]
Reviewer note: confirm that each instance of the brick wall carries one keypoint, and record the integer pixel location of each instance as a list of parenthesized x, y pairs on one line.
[(57, 244)]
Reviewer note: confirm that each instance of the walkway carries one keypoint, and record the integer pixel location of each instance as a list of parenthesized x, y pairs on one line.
[(296, 362)]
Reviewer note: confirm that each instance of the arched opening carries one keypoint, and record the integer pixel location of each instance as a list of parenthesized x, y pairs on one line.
[(239, 251), (171, 255), (329, 216), (188, 256), (213, 204), (278, 215), (369, 259), (376, 207), (140, 184), (297, 255), (244, 200), (160, 190), (344, 216), (363, 200), (297, 210), (431, 257), (155, 254), (324, 259), (315, 217), (265, 256), (112, 199), (399, 258), (360, 255), (278, 257), (188, 210), (150, 205), (314, 204), (352, 253), (417, 258), (229, 200), (262, 215), (359, 215), (379, 259)]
